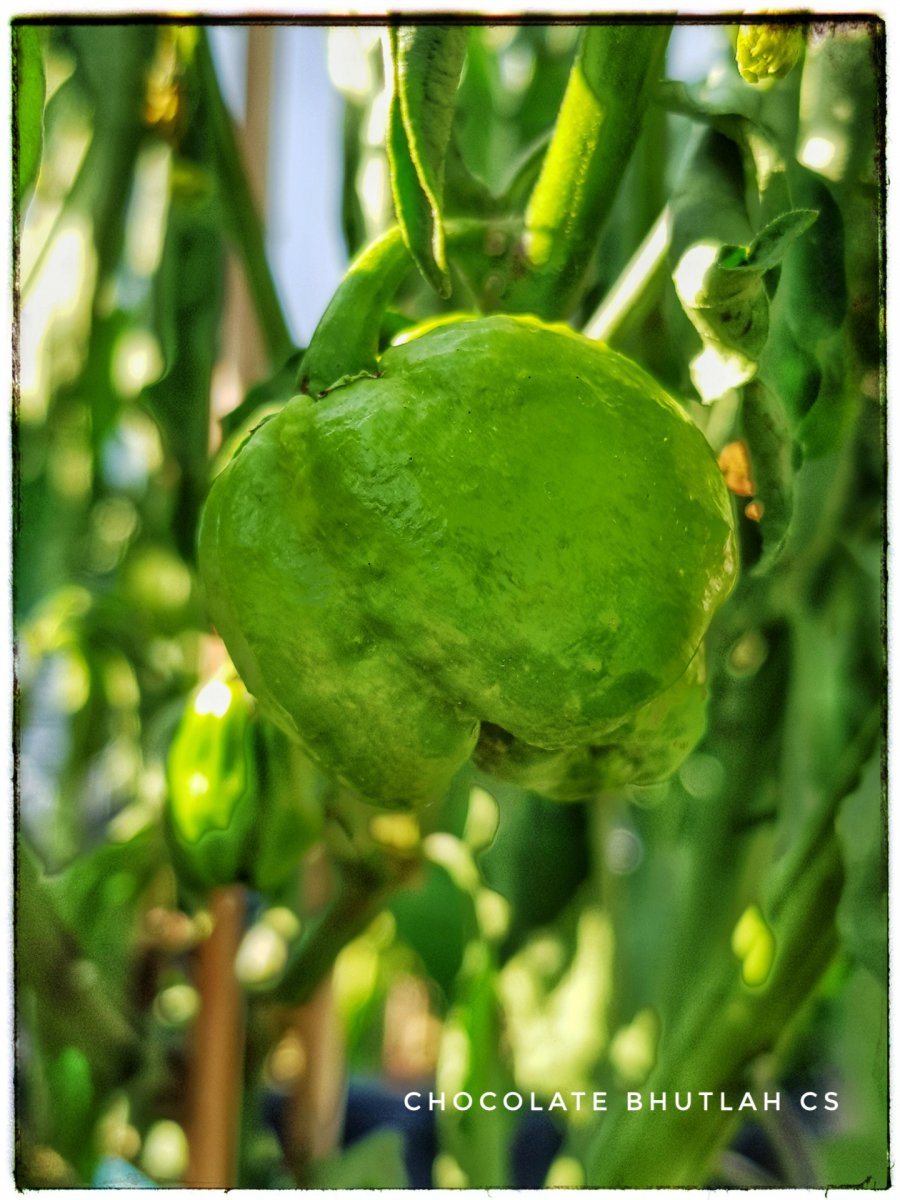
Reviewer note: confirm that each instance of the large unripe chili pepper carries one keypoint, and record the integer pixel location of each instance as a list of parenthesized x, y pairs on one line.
[(504, 524)]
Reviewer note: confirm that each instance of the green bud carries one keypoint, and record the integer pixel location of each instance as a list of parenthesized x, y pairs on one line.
[(766, 52)]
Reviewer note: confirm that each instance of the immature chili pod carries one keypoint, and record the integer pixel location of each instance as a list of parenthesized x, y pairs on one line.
[(241, 801), (426, 61), (212, 784)]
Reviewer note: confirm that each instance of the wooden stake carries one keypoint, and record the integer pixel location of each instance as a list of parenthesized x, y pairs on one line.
[(216, 1075)]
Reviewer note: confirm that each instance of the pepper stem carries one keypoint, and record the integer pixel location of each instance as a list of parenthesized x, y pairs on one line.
[(346, 339)]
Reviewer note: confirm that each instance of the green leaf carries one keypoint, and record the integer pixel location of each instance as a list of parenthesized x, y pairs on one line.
[(772, 453), (770, 245), (73, 1004), (100, 895), (723, 274), (829, 421), (724, 106), (862, 912), (112, 63), (734, 111), (426, 64), (789, 368), (375, 1162), (431, 919), (813, 274), (29, 106), (535, 837)]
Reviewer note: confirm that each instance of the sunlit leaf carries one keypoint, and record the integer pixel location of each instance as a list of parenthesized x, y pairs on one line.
[(29, 105)]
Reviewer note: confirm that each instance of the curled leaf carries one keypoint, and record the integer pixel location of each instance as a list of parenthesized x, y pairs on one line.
[(29, 106), (723, 290)]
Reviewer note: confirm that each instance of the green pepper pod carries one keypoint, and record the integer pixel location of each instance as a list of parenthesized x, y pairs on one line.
[(648, 748), (241, 806), (212, 784), (504, 523)]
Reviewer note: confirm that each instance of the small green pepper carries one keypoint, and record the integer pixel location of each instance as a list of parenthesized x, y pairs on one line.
[(240, 807)]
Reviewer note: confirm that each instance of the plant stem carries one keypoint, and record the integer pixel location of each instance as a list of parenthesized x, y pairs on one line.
[(633, 281), (361, 893), (315, 1107), (596, 131), (728, 1025), (346, 339), (244, 225)]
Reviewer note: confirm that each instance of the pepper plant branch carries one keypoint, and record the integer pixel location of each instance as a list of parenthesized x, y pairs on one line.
[(218, 1049), (730, 1024), (361, 893), (722, 1034), (633, 281), (242, 216), (596, 130)]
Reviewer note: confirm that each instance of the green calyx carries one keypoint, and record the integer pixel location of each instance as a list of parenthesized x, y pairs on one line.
[(506, 526)]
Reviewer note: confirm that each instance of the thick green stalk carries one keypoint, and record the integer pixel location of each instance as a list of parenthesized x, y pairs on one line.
[(596, 131), (361, 893), (346, 339), (242, 215), (728, 1024)]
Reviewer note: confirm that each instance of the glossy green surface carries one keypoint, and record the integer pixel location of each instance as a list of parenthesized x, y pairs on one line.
[(240, 802), (510, 524), (647, 748), (211, 796)]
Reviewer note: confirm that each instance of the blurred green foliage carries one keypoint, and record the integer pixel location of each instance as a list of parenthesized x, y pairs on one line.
[(495, 923)]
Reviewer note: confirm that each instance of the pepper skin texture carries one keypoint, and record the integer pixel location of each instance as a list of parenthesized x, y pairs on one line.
[(508, 524)]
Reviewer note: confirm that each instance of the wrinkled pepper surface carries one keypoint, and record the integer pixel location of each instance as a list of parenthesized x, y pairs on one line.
[(507, 540)]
